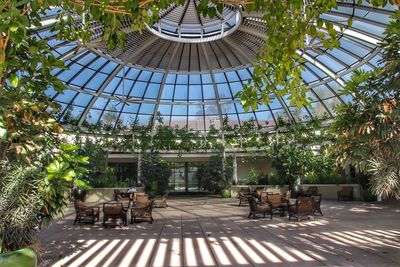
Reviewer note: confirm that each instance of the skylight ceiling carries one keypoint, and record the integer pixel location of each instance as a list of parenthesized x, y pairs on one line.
[(193, 84)]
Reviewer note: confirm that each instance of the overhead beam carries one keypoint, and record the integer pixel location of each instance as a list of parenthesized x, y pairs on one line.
[(153, 120), (214, 85), (110, 78)]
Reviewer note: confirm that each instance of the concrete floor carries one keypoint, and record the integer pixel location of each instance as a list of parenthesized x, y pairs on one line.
[(207, 231)]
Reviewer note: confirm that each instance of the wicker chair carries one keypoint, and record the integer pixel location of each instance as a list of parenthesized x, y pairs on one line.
[(122, 195), (286, 196), (114, 211), (263, 196), (245, 190), (125, 200), (142, 211), (135, 195), (317, 204), (311, 191), (277, 202), (257, 192), (304, 207), (140, 199), (346, 193), (116, 192), (161, 201), (242, 198), (258, 208), (85, 214)]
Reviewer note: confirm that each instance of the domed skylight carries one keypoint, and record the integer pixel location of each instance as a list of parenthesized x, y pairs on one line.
[(194, 84)]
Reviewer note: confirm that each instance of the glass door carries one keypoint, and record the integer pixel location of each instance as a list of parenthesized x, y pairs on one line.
[(184, 177), (193, 180), (177, 179)]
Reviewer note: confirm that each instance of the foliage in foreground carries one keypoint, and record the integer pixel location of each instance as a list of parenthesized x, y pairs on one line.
[(21, 200), (33, 195), (368, 128)]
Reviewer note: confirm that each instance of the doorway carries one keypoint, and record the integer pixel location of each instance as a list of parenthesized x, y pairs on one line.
[(184, 177)]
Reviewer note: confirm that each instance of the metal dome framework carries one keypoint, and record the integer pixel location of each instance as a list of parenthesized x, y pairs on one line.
[(193, 84), (184, 24)]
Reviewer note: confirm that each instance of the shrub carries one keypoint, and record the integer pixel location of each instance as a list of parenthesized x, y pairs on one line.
[(368, 196), (20, 206), (226, 193), (274, 179), (154, 173), (213, 178)]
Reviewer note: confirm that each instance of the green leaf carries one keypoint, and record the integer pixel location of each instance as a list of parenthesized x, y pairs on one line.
[(83, 159), (14, 80), (57, 167), (69, 147), (69, 175), (350, 22), (53, 167), (13, 28)]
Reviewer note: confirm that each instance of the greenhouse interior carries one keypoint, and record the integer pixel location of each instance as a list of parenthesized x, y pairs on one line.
[(199, 133)]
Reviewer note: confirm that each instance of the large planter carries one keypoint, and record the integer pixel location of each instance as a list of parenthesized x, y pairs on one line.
[(79, 194), (25, 257)]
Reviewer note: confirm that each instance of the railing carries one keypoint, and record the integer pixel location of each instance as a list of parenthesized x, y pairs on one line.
[(197, 33)]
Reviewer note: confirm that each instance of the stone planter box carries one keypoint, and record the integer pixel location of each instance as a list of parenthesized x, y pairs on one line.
[(328, 191), (105, 194), (269, 188)]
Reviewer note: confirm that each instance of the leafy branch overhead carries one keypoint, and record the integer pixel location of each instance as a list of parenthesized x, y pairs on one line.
[(292, 28)]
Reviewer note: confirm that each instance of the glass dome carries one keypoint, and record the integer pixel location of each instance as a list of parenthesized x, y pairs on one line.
[(193, 85)]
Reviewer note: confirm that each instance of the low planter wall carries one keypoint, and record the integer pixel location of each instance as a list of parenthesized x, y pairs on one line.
[(269, 188), (105, 194), (328, 191)]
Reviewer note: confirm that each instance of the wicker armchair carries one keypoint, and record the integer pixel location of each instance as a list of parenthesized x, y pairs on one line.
[(245, 190), (161, 201), (140, 199), (135, 195), (257, 192), (263, 196), (258, 208), (114, 211), (242, 198), (303, 208), (346, 193), (142, 211), (125, 200), (116, 192), (122, 195), (287, 195), (317, 204), (85, 214), (277, 201), (311, 191)]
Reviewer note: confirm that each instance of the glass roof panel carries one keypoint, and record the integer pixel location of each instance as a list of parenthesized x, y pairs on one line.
[(195, 90)]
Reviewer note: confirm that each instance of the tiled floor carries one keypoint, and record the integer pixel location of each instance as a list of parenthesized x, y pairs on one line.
[(207, 231)]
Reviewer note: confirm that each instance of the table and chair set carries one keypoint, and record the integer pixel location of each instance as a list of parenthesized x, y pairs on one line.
[(263, 203), (135, 204)]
